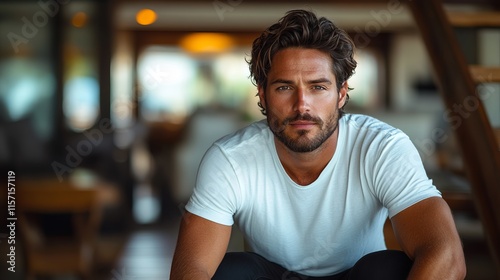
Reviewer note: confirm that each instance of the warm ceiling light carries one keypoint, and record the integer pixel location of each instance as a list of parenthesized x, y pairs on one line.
[(206, 42), (145, 17), (79, 19)]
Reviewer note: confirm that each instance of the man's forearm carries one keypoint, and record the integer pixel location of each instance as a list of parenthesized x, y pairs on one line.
[(188, 274)]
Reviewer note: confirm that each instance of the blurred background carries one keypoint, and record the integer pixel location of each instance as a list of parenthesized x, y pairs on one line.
[(125, 96)]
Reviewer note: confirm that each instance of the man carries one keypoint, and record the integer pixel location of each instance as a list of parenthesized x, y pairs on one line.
[(311, 187)]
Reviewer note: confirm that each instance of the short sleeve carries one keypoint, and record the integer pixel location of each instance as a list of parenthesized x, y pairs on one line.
[(399, 177), (214, 196)]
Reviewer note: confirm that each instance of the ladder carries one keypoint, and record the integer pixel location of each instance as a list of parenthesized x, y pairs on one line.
[(478, 141)]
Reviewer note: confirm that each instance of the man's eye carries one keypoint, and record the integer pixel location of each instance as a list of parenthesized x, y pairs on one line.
[(284, 88), (319, 88)]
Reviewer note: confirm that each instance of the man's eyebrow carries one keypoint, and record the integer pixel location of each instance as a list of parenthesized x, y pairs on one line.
[(320, 81), (316, 81), (281, 81)]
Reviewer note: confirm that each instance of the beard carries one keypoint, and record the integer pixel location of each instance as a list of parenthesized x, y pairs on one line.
[(303, 141)]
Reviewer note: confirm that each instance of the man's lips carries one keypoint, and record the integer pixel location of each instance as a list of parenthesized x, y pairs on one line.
[(302, 124)]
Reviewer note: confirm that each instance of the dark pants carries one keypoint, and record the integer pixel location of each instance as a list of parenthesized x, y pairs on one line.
[(387, 265)]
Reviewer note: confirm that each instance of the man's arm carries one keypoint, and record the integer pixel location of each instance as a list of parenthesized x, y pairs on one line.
[(201, 245), (427, 233)]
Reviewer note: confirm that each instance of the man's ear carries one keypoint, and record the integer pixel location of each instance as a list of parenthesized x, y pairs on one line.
[(343, 94), (262, 97)]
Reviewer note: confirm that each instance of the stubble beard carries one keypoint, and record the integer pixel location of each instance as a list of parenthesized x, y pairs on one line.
[(301, 143)]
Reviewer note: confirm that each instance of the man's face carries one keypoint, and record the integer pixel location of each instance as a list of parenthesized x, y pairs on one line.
[(301, 98)]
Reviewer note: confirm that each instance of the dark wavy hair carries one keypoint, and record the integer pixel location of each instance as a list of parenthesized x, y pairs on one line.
[(301, 28)]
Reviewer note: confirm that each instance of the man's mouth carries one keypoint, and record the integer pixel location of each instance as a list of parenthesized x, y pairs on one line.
[(302, 124)]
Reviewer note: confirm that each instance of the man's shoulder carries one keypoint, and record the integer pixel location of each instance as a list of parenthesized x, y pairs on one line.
[(254, 134), (368, 124)]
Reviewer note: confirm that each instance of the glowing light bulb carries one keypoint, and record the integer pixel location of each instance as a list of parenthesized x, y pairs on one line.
[(206, 42), (146, 17), (79, 19)]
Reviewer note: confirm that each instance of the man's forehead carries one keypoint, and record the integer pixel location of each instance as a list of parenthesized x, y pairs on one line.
[(298, 61)]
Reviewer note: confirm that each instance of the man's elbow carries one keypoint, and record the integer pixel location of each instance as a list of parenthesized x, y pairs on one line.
[(456, 263), (461, 268), (445, 261)]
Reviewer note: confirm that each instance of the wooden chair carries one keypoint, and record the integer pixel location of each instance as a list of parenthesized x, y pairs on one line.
[(49, 255)]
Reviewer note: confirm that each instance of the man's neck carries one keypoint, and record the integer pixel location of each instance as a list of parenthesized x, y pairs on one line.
[(305, 168)]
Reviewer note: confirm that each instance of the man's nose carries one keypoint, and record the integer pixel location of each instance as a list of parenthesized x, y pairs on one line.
[(302, 101)]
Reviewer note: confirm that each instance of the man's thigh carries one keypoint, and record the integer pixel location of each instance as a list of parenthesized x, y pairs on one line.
[(386, 264), (247, 266), (251, 266)]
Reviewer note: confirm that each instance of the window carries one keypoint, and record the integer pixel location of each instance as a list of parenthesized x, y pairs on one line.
[(81, 84), (168, 82), (365, 81), (172, 83)]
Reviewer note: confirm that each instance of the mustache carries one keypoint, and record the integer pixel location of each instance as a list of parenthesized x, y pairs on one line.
[(303, 117)]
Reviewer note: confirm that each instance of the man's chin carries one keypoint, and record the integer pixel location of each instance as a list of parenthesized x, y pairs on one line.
[(301, 148), (301, 144)]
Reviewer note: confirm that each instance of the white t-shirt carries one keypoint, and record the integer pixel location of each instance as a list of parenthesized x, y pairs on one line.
[(322, 228)]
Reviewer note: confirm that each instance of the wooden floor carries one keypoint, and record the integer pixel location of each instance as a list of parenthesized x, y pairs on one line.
[(147, 255)]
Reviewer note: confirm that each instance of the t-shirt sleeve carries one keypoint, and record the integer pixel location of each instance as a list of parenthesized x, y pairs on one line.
[(214, 196), (399, 176)]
